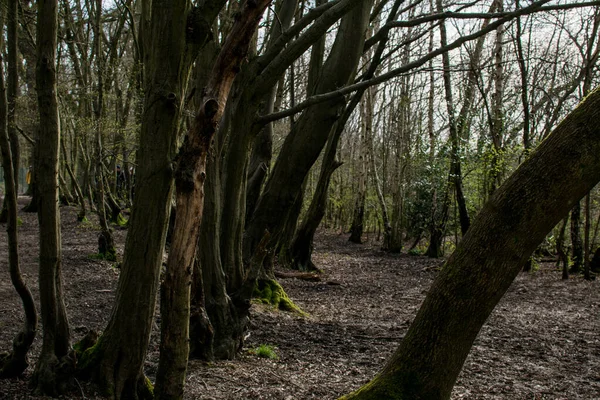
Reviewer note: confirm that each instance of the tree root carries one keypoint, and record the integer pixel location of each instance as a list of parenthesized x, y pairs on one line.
[(269, 291)]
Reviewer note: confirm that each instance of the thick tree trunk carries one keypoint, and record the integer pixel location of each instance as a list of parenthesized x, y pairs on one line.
[(15, 363), (116, 361), (505, 233), (56, 334)]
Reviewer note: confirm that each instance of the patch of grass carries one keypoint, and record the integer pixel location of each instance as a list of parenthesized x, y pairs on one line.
[(265, 351)]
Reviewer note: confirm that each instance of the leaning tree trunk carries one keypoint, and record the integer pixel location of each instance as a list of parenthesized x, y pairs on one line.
[(309, 135), (56, 334), (300, 251), (15, 363), (502, 238)]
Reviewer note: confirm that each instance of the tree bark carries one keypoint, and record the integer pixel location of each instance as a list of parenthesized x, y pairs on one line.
[(116, 361), (309, 135), (505, 233), (576, 241), (56, 335), (12, 92), (15, 363), (189, 182)]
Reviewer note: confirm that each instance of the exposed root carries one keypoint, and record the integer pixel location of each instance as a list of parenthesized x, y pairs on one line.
[(269, 291)]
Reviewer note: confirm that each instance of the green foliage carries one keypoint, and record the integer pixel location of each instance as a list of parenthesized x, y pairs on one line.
[(265, 351), (19, 221)]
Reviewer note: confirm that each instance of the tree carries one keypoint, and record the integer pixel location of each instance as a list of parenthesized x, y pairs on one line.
[(56, 335), (15, 363), (174, 32), (502, 238), (12, 94), (189, 183)]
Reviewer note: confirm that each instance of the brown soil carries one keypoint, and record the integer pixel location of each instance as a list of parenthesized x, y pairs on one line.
[(541, 342)]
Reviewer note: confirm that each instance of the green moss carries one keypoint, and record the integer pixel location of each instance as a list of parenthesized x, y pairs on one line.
[(121, 220), (88, 341), (148, 390), (269, 291), (90, 358), (378, 388)]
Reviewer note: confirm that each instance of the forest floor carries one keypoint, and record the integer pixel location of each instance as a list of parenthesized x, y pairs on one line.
[(541, 342)]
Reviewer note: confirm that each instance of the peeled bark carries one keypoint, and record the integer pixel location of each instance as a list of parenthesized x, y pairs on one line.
[(507, 230), (189, 182)]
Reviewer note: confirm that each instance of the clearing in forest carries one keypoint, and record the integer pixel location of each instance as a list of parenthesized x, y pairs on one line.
[(541, 342)]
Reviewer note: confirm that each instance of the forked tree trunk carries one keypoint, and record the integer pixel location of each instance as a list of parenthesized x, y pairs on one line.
[(189, 183), (56, 336), (309, 135), (518, 217), (15, 363)]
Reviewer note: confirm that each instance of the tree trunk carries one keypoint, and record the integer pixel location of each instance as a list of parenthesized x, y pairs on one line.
[(518, 217), (356, 230), (12, 92), (15, 363), (300, 250), (309, 135), (262, 148), (116, 361), (497, 114), (56, 334), (189, 183), (576, 241)]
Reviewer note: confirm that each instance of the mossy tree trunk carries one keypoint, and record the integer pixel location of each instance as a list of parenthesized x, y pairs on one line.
[(501, 239), (56, 335), (15, 363)]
